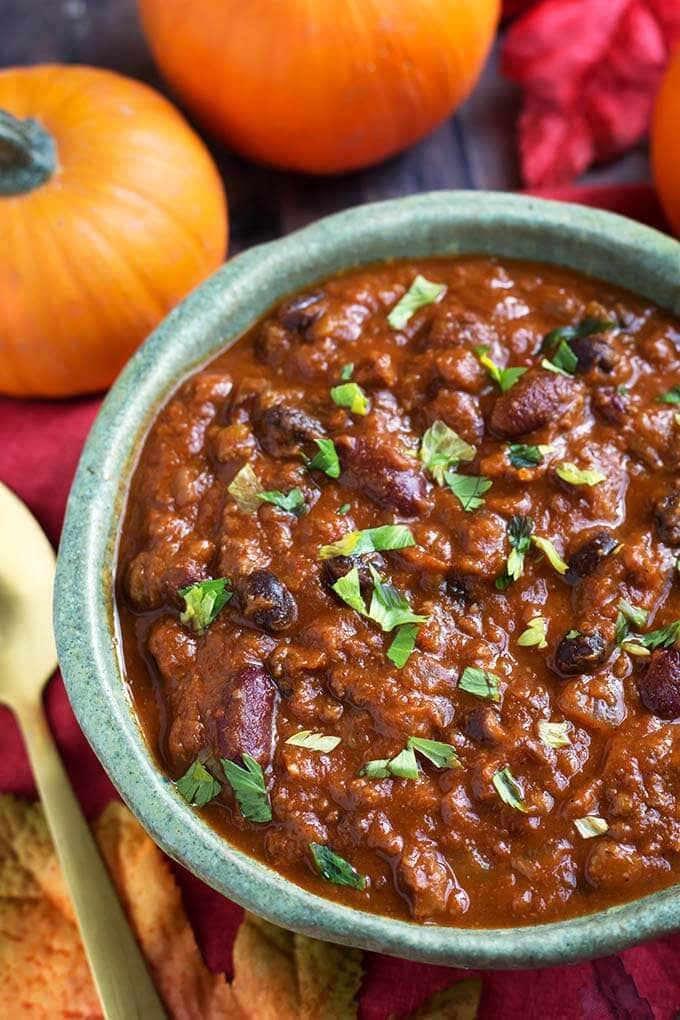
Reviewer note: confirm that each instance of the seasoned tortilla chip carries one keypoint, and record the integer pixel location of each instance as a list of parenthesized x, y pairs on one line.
[(459, 1002), (43, 971), (329, 978), (265, 980)]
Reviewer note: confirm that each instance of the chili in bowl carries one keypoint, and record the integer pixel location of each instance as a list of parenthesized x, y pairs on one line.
[(397, 597)]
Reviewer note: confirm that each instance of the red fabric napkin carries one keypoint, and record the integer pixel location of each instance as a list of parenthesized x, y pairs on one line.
[(40, 443)]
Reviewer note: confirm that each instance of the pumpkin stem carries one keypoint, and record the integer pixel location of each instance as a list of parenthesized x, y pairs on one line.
[(28, 156)]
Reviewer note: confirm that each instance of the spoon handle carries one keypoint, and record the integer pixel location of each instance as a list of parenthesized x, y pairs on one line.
[(125, 989)]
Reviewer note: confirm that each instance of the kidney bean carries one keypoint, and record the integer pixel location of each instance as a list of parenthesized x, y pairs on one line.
[(379, 471), (483, 725), (660, 684), (538, 398), (593, 353), (590, 554), (302, 311), (582, 653), (246, 720), (284, 431), (266, 602), (667, 518), (339, 566)]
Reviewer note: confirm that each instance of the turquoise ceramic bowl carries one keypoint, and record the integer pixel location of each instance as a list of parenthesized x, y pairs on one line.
[(598, 243)]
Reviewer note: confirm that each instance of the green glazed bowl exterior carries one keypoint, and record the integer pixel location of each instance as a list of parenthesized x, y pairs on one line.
[(442, 223)]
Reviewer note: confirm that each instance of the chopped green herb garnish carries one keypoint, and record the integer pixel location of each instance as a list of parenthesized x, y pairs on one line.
[(534, 634), (422, 292), (522, 456), (554, 734), (562, 360), (441, 449), (504, 377), (509, 790), (629, 614), (247, 782), (551, 553), (468, 489), (293, 502), (346, 371), (442, 756), (572, 634), (664, 637), (587, 327), (389, 608), (203, 601), (348, 588), (197, 785), (671, 396), (350, 395), (480, 682), (402, 766), (326, 459), (403, 643), (245, 488), (382, 539), (570, 473), (335, 868), (342, 510), (314, 741), (591, 826), (520, 528)]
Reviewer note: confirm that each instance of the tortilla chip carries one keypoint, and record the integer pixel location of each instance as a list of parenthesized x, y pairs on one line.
[(459, 1002), (265, 979), (42, 963), (329, 979)]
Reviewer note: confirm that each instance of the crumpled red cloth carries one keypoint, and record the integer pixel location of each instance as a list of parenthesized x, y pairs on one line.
[(40, 442)]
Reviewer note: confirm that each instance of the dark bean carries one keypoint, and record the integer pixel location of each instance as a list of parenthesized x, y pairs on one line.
[(339, 566), (284, 431), (538, 398), (266, 602), (660, 684), (384, 474), (302, 311), (458, 591), (245, 722), (581, 653), (590, 554), (593, 353), (483, 725), (667, 518)]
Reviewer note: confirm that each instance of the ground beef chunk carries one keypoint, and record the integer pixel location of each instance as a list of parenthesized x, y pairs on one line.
[(667, 518), (538, 399), (429, 882)]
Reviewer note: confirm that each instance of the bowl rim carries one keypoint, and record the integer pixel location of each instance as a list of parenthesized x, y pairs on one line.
[(599, 243)]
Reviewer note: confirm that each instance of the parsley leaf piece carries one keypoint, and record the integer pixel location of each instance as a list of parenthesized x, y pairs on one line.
[(348, 588), (505, 378), (293, 502), (342, 510), (574, 475), (554, 734), (197, 785), (422, 292), (314, 741), (590, 826), (247, 782), (403, 643), (664, 637), (350, 395), (326, 459), (441, 449), (520, 528), (203, 601), (442, 756), (561, 360), (376, 769), (245, 488), (629, 614), (508, 789), (335, 868), (671, 396), (522, 456), (468, 489), (402, 766), (551, 553), (389, 608), (346, 371), (534, 634), (382, 539), (480, 682), (587, 327)]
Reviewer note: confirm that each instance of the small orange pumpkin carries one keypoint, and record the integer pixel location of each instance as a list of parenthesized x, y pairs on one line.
[(666, 143), (322, 86), (111, 210)]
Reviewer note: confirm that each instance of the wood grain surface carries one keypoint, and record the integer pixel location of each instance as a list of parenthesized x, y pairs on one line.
[(474, 149)]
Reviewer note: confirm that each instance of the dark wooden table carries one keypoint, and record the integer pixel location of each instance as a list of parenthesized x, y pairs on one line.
[(474, 149)]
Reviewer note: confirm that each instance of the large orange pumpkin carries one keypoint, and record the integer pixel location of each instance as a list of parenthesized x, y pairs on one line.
[(666, 143), (322, 86), (111, 210)]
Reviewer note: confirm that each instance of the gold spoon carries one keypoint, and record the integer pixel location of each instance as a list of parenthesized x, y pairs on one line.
[(27, 660)]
